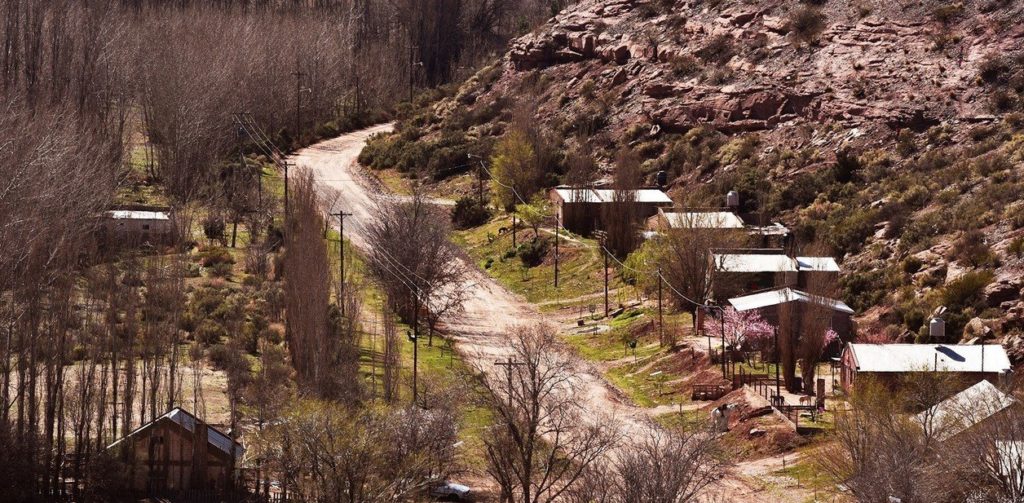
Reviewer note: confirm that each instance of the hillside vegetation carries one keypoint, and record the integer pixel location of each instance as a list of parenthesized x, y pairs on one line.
[(890, 135)]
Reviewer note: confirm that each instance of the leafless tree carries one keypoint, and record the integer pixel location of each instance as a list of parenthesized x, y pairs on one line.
[(621, 217), (673, 465), (881, 450), (541, 443), (685, 255), (413, 260)]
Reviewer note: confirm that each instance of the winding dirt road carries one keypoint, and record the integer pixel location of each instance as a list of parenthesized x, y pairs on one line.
[(491, 309)]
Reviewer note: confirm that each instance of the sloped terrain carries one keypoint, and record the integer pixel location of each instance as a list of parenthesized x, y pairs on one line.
[(889, 134)]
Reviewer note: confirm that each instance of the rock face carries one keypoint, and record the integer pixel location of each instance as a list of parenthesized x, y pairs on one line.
[(883, 68)]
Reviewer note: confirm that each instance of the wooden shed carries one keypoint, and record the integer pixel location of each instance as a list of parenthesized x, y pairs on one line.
[(580, 209), (177, 452), (131, 227)]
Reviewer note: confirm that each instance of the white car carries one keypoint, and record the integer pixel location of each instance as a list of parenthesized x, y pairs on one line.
[(450, 491)]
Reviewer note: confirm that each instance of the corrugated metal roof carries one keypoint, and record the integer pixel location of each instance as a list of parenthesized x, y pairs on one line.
[(214, 437), (965, 409), (137, 215), (752, 262), (580, 195), (827, 264), (782, 296), (703, 220), (929, 357)]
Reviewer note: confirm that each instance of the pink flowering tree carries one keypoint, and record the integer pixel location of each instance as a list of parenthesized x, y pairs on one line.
[(743, 329)]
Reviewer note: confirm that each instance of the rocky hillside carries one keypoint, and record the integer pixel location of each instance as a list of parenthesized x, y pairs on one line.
[(888, 132)]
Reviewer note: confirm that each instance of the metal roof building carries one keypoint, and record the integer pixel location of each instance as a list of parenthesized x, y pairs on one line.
[(186, 420), (702, 220), (773, 298), (965, 410), (929, 357), (588, 195), (975, 362)]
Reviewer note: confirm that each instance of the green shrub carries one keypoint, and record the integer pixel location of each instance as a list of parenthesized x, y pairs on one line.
[(532, 253), (469, 212), (1016, 246), (806, 22), (972, 250), (215, 256), (210, 332), (965, 291), (221, 270), (719, 50), (213, 228)]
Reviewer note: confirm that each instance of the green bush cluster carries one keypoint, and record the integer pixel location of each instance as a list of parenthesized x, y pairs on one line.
[(532, 253), (469, 212)]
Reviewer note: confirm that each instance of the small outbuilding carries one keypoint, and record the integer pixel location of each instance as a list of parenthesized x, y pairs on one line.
[(769, 304), (177, 452), (580, 210), (136, 227), (974, 407), (742, 271), (668, 219), (888, 362)]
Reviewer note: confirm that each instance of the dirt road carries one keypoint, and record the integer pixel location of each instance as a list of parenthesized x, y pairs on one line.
[(490, 308)]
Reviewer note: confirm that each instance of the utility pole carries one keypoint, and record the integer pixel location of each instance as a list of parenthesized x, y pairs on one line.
[(777, 361), (286, 166), (479, 177), (721, 317), (298, 74), (412, 67), (341, 258), (603, 236), (508, 364), (661, 314), (415, 343), (556, 250)]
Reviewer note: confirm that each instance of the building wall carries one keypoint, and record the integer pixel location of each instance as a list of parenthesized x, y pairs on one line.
[(132, 232), (162, 458)]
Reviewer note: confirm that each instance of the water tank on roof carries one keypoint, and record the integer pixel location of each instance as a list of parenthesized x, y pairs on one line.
[(937, 329), (662, 179), (732, 199)]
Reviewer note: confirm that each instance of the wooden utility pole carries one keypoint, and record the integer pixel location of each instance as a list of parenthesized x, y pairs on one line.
[(341, 258), (412, 67), (508, 364), (298, 74), (286, 166), (603, 237), (556, 250), (661, 313), (415, 343)]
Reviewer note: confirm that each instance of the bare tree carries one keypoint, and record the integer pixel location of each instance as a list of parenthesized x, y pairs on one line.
[(685, 254), (670, 466), (541, 443), (413, 260)]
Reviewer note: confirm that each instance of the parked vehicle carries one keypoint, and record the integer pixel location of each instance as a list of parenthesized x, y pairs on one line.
[(450, 491)]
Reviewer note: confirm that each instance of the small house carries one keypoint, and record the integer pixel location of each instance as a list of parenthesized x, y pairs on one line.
[(668, 219), (177, 452), (769, 304), (888, 362), (738, 272), (972, 408), (137, 227), (580, 209)]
